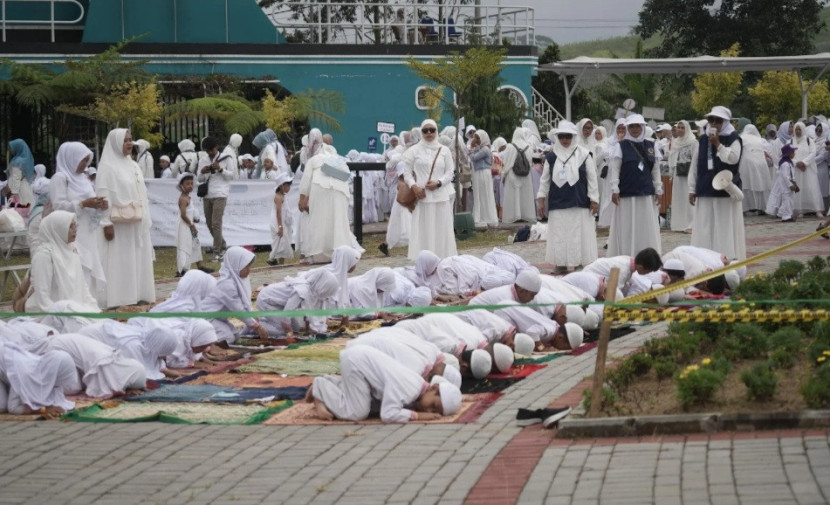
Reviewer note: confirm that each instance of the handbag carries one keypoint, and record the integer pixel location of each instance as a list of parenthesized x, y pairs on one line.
[(406, 197), (133, 212), (202, 189)]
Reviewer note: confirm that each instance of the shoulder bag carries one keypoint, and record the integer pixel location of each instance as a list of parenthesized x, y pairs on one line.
[(406, 197)]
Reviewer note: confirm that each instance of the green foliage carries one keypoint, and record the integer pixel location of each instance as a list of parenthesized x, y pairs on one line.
[(493, 111), (641, 363), (782, 358), (777, 96), (698, 384), (760, 381), (621, 376), (665, 367), (720, 88), (609, 399), (747, 341), (789, 338), (788, 270), (236, 113), (761, 287), (817, 264), (316, 105), (821, 341), (816, 391)]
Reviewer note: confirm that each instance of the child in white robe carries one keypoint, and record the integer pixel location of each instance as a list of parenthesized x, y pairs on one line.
[(188, 247), (194, 339), (367, 291), (420, 356), (149, 347), (312, 291), (781, 198), (369, 374), (466, 274), (280, 223), (406, 294), (30, 383)]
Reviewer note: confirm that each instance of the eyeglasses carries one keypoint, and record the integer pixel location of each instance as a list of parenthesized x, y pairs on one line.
[(563, 136), (428, 130), (715, 119)]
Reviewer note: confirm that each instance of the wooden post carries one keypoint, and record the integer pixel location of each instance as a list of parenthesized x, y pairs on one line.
[(602, 346)]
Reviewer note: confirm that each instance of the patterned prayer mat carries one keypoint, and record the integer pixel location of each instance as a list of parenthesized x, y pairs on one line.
[(178, 413), (303, 413), (254, 380), (519, 371), (218, 394), (540, 357), (354, 327), (288, 366)]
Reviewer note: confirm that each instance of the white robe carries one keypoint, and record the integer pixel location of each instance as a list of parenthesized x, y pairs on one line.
[(495, 295), (484, 204), (603, 266), (780, 201), (507, 260), (406, 348), (518, 203), (528, 321), (327, 226), (368, 374), (281, 245), (148, 347), (755, 180), (29, 380), (188, 247), (809, 198), (449, 333), (493, 327), (463, 274), (682, 212)]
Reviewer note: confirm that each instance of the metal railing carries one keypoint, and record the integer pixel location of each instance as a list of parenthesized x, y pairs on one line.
[(544, 112), (52, 21), (402, 23)]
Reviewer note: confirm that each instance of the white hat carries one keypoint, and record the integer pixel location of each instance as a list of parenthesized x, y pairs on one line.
[(665, 127), (701, 123), (246, 156), (450, 398), (282, 178), (452, 374), (529, 280), (524, 344), (721, 112), (575, 334), (164, 157), (591, 320), (566, 127), (480, 363), (677, 295), (732, 279), (575, 314), (503, 357), (182, 176), (451, 360), (635, 119), (469, 129), (236, 140), (674, 264), (664, 298)]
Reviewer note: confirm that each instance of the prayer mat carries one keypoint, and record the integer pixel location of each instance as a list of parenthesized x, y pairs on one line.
[(540, 357), (188, 393), (519, 371), (178, 380), (354, 327), (304, 413), (179, 393), (471, 386), (583, 348), (178, 413), (259, 395), (289, 366), (254, 380)]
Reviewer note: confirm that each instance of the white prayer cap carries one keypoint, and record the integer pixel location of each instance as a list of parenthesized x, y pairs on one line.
[(451, 360), (677, 295), (575, 334), (453, 375), (503, 356), (523, 344), (591, 320), (184, 175), (91, 171), (480, 363), (529, 280), (732, 279), (566, 127), (282, 178), (635, 119), (450, 398), (721, 112), (664, 128), (419, 297), (741, 271), (164, 157), (353, 155), (674, 264), (664, 298), (246, 156), (236, 140), (575, 314)]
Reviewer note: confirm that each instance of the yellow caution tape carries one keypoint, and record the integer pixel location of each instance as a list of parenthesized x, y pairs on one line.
[(718, 315)]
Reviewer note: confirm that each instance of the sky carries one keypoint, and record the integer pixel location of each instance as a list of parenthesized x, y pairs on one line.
[(567, 21)]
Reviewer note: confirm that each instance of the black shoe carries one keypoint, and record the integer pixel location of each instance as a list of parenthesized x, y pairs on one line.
[(273, 263), (384, 249), (207, 270), (180, 274), (526, 417), (552, 416), (825, 235)]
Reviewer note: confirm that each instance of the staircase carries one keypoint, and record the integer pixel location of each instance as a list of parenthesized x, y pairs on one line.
[(544, 113)]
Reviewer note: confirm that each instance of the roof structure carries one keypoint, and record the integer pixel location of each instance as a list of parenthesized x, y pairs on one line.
[(586, 66)]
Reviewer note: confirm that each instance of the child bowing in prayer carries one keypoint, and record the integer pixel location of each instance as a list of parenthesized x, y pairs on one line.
[(188, 247), (281, 225)]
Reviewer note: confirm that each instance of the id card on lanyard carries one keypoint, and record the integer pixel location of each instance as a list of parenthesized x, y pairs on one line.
[(710, 161)]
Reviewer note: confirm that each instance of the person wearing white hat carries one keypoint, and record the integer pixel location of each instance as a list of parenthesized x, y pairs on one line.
[(414, 353), (674, 269), (464, 274), (523, 290), (569, 186), (188, 247), (368, 374), (144, 158), (502, 357), (718, 217), (313, 291), (480, 363), (575, 335), (164, 164), (528, 322), (636, 187), (281, 223), (451, 334), (429, 170), (494, 328), (187, 160), (247, 163)]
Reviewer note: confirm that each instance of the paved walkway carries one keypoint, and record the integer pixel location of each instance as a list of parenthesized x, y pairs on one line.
[(490, 461)]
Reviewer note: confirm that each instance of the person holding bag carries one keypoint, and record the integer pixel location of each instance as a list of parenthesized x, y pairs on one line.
[(126, 250), (428, 172)]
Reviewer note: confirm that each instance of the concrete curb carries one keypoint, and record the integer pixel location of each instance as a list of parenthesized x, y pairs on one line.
[(638, 426)]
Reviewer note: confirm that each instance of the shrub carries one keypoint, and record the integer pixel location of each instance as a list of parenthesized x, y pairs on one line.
[(789, 338), (761, 287), (789, 270), (816, 391), (620, 377), (821, 341), (817, 264), (697, 384), (609, 398), (747, 341), (760, 381), (782, 358), (664, 367), (641, 363)]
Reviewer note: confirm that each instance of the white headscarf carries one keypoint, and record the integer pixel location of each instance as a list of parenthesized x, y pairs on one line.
[(147, 346), (433, 144), (568, 160), (230, 283), (343, 259), (589, 142), (531, 132), (315, 285), (67, 324), (635, 119), (193, 287), (197, 333), (119, 177), (425, 266), (484, 137), (70, 155), (498, 144), (315, 143), (363, 289)]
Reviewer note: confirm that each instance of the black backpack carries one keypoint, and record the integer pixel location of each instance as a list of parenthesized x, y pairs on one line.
[(522, 234), (521, 167)]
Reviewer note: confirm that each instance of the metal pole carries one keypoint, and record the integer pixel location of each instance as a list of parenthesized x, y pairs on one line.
[(567, 98), (358, 207), (602, 346)]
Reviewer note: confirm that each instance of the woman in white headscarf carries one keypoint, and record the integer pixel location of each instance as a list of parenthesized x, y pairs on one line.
[(233, 294), (126, 250), (499, 145), (194, 339), (806, 174), (569, 186), (680, 162), (518, 190), (147, 346), (426, 268), (192, 289), (368, 290), (754, 171), (601, 152), (71, 190), (343, 262), (144, 158), (56, 272), (326, 199), (29, 383), (428, 171), (822, 161), (484, 203), (635, 188), (313, 291)]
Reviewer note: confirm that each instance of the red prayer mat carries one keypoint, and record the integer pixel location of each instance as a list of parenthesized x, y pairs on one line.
[(518, 371)]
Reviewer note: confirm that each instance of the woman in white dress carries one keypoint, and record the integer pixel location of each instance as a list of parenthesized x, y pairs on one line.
[(57, 274), (147, 346), (680, 162), (20, 173), (499, 145), (71, 190), (569, 186), (606, 208), (428, 171), (754, 171), (126, 250), (145, 159), (484, 203), (518, 190), (400, 218), (806, 174), (822, 161)]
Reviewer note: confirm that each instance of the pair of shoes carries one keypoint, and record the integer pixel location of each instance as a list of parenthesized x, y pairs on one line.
[(384, 249), (790, 220), (207, 270), (273, 263), (548, 417)]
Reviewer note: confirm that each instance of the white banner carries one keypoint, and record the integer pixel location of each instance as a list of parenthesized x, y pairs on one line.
[(245, 221)]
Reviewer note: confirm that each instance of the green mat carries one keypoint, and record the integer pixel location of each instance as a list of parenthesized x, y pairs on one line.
[(540, 359), (176, 413), (292, 366)]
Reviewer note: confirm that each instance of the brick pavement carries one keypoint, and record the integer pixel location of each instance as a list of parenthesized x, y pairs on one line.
[(488, 461)]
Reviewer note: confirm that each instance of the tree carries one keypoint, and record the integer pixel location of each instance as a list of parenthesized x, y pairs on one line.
[(315, 105), (717, 88), (492, 110), (777, 97), (761, 27), (550, 86), (236, 114)]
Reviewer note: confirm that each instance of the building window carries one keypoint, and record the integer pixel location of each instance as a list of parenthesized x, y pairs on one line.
[(516, 95), (421, 97)]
